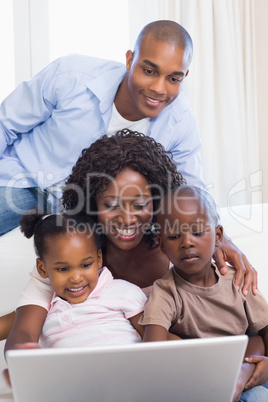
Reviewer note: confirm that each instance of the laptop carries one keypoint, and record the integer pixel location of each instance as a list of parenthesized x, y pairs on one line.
[(194, 370)]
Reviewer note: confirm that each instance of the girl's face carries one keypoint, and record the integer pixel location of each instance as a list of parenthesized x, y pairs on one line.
[(188, 237), (72, 264), (125, 209)]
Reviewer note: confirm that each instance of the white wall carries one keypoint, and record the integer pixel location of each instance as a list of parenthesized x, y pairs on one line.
[(261, 12)]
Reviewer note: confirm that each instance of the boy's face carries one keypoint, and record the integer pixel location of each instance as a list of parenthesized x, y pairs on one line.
[(189, 238), (155, 76), (72, 264)]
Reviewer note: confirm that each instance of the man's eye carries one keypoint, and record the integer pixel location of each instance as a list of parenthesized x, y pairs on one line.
[(148, 71), (176, 80), (198, 233)]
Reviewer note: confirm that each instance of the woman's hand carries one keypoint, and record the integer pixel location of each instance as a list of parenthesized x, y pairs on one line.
[(260, 373), (26, 345), (228, 252)]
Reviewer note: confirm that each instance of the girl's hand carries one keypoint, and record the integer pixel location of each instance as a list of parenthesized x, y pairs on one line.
[(260, 373)]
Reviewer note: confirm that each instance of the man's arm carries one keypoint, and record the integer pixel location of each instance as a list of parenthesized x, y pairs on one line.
[(30, 104)]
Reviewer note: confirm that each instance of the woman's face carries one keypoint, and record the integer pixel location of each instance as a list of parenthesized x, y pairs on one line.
[(125, 209)]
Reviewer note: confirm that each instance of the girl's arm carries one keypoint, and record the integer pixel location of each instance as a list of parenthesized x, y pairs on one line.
[(154, 333), (27, 327), (135, 322)]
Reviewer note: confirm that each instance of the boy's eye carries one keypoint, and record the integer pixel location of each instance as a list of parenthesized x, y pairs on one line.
[(174, 237)]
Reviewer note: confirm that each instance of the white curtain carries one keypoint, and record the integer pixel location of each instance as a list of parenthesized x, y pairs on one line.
[(221, 86)]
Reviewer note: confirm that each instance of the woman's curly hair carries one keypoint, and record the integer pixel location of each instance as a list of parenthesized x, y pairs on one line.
[(99, 164)]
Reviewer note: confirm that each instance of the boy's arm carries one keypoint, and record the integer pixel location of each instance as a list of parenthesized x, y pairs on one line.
[(260, 374), (27, 327), (255, 346)]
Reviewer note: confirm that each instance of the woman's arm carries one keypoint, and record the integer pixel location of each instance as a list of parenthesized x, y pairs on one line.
[(27, 327), (229, 252), (6, 322)]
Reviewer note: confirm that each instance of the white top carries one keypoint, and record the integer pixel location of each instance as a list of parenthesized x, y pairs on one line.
[(118, 122), (102, 319)]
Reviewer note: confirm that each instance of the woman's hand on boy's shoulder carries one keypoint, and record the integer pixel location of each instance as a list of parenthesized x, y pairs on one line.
[(228, 252)]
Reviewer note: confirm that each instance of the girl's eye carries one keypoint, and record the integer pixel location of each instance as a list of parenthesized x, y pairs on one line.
[(64, 269), (86, 266)]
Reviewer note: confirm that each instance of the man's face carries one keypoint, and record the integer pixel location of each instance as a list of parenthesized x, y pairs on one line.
[(155, 76)]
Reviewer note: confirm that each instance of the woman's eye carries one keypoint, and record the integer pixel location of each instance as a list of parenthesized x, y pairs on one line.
[(111, 206), (141, 206)]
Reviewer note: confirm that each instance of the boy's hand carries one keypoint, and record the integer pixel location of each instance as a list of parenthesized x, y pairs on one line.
[(245, 373), (260, 373)]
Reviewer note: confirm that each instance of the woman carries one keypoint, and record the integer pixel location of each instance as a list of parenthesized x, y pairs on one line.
[(119, 180)]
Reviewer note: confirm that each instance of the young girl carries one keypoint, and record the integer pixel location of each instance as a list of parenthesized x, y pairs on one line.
[(193, 300), (88, 306)]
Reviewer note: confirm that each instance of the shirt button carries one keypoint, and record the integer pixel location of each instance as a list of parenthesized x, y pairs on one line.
[(25, 183)]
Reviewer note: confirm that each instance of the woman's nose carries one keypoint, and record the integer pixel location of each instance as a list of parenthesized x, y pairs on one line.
[(127, 217)]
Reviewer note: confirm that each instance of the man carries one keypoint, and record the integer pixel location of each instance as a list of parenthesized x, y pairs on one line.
[(46, 122)]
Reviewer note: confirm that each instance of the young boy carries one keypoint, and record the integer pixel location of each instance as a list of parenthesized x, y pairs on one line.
[(193, 300)]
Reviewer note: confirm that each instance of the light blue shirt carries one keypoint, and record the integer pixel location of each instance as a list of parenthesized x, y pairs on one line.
[(47, 121)]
